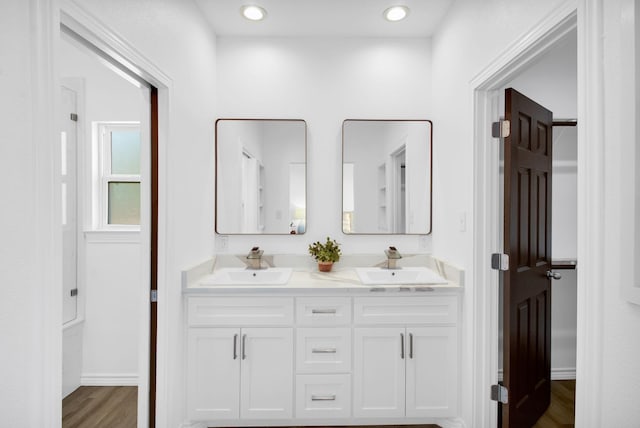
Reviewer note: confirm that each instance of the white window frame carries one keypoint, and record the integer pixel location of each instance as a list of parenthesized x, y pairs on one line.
[(104, 175)]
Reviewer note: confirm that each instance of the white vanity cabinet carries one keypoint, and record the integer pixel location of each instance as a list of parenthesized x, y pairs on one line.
[(403, 369), (351, 358), (239, 372)]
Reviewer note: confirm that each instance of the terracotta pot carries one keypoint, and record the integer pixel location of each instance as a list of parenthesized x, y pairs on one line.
[(325, 266)]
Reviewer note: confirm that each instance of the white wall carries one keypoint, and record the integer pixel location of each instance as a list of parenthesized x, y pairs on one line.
[(619, 350), (324, 81), (113, 289), (30, 269)]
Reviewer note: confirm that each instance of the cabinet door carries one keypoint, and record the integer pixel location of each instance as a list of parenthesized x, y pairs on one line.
[(213, 373), (432, 378), (267, 373), (378, 372)]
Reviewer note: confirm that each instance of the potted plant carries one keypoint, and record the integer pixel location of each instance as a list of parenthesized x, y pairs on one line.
[(325, 254)]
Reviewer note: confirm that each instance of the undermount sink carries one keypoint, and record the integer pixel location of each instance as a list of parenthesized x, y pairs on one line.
[(244, 276), (405, 275)]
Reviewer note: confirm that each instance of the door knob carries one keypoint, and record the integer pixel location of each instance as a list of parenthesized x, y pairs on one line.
[(553, 275)]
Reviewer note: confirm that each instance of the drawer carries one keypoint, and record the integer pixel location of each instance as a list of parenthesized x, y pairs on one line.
[(323, 396), (323, 350), (406, 310), (323, 311), (239, 311)]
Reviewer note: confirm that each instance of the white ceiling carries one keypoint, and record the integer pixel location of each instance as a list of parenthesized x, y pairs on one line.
[(352, 18)]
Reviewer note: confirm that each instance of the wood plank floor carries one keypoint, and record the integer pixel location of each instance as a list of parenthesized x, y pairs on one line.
[(101, 406), (116, 407), (561, 411)]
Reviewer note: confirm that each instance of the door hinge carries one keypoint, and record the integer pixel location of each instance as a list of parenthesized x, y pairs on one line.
[(74, 117), (500, 261), (74, 292), (501, 129), (500, 394), (154, 296)]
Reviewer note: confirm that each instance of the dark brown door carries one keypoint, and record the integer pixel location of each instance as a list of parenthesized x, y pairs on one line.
[(527, 241)]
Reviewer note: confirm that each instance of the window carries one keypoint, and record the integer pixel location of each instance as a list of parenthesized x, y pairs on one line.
[(119, 177)]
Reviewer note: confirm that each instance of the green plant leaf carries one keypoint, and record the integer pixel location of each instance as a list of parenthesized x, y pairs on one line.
[(327, 252)]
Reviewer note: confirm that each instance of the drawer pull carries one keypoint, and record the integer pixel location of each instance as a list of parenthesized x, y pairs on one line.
[(323, 397), (323, 311), (323, 351)]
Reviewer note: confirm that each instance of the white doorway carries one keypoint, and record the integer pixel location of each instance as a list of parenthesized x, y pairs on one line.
[(488, 90), (106, 341)]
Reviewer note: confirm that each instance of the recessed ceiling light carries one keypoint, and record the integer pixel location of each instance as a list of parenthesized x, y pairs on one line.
[(253, 13), (396, 13)]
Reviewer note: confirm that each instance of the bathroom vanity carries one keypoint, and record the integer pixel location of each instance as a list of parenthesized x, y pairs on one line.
[(322, 349)]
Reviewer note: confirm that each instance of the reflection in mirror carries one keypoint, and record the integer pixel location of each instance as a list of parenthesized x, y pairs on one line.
[(261, 176), (386, 176)]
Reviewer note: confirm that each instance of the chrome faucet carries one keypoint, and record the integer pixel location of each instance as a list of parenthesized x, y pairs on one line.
[(392, 257), (254, 257)]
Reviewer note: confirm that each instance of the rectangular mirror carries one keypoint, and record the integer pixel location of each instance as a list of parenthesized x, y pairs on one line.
[(261, 176), (386, 176)]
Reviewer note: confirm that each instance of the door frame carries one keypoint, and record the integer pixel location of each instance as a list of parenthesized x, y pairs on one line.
[(129, 59), (586, 16)]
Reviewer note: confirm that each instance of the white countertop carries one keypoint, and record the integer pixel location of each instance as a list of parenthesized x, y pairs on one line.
[(307, 280)]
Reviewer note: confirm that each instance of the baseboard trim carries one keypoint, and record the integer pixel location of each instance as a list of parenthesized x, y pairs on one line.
[(568, 373), (109, 379)]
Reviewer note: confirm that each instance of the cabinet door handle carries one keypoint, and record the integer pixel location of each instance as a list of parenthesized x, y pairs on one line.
[(402, 345), (323, 397), (235, 346), (323, 351), (244, 346), (411, 345), (323, 311)]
